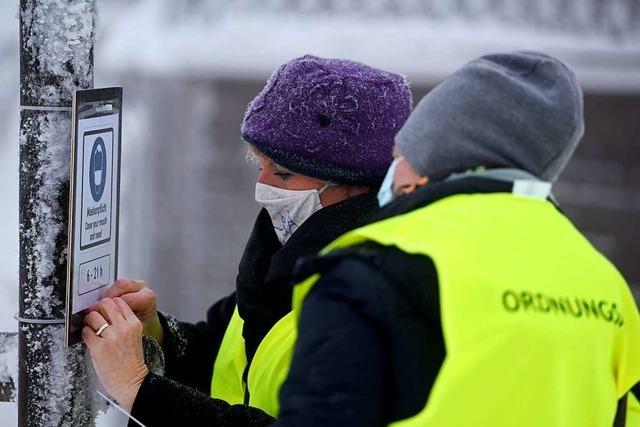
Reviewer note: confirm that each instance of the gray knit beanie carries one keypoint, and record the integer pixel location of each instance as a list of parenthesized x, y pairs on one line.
[(519, 110)]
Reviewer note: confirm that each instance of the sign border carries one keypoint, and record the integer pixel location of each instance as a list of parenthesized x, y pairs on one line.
[(75, 322)]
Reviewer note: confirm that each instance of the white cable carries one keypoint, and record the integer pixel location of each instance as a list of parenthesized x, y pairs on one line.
[(119, 408)]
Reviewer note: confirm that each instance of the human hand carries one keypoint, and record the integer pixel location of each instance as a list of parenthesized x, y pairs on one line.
[(117, 353), (142, 301)]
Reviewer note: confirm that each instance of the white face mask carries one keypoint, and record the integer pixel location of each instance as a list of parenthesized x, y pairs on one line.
[(288, 209)]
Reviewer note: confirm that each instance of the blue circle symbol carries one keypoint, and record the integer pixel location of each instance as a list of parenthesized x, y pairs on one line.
[(98, 169)]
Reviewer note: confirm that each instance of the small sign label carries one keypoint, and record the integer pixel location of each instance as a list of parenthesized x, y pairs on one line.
[(94, 274)]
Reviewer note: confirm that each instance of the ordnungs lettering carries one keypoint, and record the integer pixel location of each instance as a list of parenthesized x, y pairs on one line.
[(525, 301)]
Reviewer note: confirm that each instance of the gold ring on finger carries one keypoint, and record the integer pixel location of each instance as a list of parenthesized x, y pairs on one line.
[(101, 329)]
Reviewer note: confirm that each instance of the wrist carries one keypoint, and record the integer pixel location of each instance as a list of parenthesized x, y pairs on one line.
[(128, 396)]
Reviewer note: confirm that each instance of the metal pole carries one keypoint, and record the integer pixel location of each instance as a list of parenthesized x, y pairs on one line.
[(56, 56)]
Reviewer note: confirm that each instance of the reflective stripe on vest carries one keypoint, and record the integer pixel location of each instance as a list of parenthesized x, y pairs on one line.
[(268, 369), (540, 329)]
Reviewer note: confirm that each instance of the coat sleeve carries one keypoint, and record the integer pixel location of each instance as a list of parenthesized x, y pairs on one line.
[(162, 402), (191, 349), (340, 367)]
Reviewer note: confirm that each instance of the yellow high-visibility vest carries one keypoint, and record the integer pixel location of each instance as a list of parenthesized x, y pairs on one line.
[(268, 369), (540, 329), (633, 411), (227, 383)]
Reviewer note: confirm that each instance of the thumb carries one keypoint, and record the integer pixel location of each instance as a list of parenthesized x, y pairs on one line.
[(143, 302)]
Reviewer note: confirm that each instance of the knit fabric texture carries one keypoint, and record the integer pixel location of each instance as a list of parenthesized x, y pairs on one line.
[(331, 119), (518, 110)]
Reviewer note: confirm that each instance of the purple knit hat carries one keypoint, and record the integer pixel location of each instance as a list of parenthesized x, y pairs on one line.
[(330, 119)]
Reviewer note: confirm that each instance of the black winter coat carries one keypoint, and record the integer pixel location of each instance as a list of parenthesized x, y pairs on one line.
[(263, 296)]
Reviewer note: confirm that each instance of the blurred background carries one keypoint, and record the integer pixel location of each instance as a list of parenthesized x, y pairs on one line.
[(189, 68)]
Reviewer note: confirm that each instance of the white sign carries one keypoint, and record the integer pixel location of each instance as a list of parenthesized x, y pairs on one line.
[(95, 209), (93, 233)]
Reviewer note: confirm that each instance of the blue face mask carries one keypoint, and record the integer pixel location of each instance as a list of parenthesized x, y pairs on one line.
[(385, 195)]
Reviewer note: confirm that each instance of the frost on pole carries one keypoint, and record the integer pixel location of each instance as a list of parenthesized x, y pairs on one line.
[(57, 36), (56, 57)]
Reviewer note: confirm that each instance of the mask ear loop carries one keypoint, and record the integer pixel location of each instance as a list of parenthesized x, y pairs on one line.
[(327, 185)]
